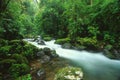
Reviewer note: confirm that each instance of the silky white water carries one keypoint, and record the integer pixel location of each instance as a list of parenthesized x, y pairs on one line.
[(95, 65)]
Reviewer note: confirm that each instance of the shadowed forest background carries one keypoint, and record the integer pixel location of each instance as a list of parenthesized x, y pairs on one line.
[(85, 24)]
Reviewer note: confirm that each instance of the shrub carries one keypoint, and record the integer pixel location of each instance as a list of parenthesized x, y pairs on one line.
[(19, 58), (19, 69), (25, 77), (62, 41), (4, 51), (30, 51), (108, 47), (6, 63), (17, 46), (3, 42), (17, 42)]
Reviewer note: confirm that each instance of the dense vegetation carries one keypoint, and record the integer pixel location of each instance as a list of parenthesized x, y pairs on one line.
[(88, 24), (85, 24)]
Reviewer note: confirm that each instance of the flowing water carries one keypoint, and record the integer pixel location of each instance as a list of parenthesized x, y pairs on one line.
[(94, 65)]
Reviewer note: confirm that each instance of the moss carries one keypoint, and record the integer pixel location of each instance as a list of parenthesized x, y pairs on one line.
[(89, 43), (108, 47), (62, 73), (47, 38), (62, 41)]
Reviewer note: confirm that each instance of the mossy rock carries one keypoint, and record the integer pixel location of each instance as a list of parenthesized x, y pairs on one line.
[(47, 38), (69, 73), (89, 43), (108, 47), (62, 41)]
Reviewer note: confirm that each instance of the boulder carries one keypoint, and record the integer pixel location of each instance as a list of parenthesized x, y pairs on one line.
[(53, 54), (41, 75), (45, 59), (40, 53), (41, 42), (47, 50), (50, 53), (67, 46), (79, 47)]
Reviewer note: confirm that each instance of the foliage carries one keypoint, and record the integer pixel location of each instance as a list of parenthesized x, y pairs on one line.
[(25, 77), (5, 64), (14, 57), (30, 51), (4, 51), (19, 58), (19, 69), (9, 23)]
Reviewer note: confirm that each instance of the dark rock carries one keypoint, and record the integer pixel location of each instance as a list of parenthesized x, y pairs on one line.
[(45, 59), (50, 53), (40, 53), (37, 38), (116, 53), (79, 48), (67, 46), (41, 75), (108, 54), (47, 50), (53, 54), (41, 42)]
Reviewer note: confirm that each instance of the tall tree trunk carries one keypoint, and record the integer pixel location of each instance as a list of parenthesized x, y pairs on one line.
[(91, 2)]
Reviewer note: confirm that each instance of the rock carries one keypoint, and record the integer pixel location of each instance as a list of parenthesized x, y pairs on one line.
[(40, 53), (41, 75), (67, 46), (45, 59), (47, 50), (79, 48), (53, 54), (41, 42), (69, 73), (116, 53)]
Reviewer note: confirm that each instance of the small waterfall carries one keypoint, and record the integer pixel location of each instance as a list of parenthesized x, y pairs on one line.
[(95, 65)]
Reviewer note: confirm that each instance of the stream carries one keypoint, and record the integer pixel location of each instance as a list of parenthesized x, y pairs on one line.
[(94, 65)]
